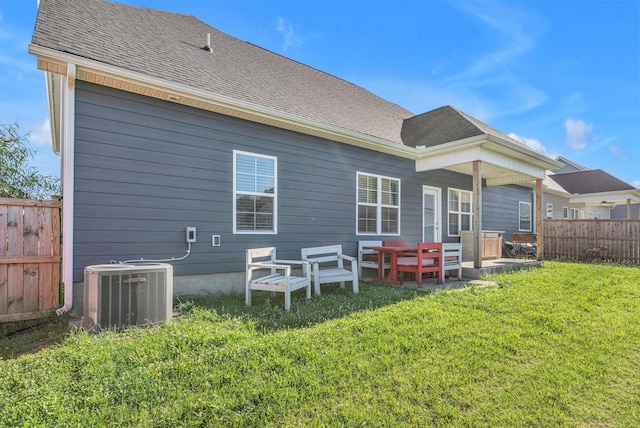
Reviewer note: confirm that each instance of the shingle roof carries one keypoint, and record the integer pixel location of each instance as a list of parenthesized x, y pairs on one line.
[(170, 46), (590, 181), (443, 125)]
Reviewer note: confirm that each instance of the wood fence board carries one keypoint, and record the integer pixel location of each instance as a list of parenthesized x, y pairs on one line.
[(11, 202), (4, 280), (45, 249), (30, 282), (26, 316), (15, 239)]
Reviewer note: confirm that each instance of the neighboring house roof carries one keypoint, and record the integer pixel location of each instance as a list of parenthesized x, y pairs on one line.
[(446, 124), (569, 166), (593, 187), (169, 46), (590, 181)]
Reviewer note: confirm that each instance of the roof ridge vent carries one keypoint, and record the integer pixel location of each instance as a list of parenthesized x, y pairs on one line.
[(208, 45)]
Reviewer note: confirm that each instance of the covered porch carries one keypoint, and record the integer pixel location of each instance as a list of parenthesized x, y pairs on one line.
[(468, 146), (625, 198)]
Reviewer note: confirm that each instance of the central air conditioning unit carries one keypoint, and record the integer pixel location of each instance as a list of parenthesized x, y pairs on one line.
[(122, 295)]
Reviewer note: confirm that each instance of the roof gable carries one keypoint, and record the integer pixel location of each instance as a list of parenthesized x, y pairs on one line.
[(446, 124), (569, 166)]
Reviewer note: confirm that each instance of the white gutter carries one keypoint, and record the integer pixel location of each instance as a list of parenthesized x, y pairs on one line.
[(68, 138)]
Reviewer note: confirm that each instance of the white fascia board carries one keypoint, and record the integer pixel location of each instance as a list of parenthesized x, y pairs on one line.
[(475, 148), (523, 153), (272, 116), (546, 189), (514, 178)]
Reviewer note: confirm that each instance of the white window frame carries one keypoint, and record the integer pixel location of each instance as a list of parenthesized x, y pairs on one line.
[(522, 204), (549, 211), (565, 212), (379, 206), (575, 214), (459, 211), (273, 195)]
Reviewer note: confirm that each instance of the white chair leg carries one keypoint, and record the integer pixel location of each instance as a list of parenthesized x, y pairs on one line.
[(287, 300), (316, 279), (247, 295)]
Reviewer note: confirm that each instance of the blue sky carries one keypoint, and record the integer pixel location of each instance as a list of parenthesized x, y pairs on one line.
[(561, 76)]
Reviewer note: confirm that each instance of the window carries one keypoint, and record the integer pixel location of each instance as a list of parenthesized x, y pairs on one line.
[(549, 210), (460, 211), (590, 214), (378, 205), (525, 217), (254, 192), (565, 212), (574, 214)]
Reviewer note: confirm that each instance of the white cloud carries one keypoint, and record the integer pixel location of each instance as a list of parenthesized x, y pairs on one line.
[(532, 143), (290, 39), (578, 133), (636, 184), (41, 135), (494, 73), (617, 152)]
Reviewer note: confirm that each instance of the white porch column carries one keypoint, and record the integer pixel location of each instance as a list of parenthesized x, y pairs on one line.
[(539, 220), (629, 208), (477, 214)]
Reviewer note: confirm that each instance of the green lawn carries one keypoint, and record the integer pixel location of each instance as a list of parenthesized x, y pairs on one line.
[(557, 346)]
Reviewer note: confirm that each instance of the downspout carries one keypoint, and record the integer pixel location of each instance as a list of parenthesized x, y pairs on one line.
[(68, 166)]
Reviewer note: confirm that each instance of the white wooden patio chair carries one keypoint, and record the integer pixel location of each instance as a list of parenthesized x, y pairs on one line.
[(328, 266), (265, 272), (452, 254), (368, 259)]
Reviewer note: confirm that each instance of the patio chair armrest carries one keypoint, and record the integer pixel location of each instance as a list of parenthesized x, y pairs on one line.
[(285, 268), (348, 258), (293, 262), (352, 261)]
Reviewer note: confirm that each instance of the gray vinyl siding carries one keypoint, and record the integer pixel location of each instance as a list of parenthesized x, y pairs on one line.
[(146, 169), (558, 203), (620, 211), (500, 208)]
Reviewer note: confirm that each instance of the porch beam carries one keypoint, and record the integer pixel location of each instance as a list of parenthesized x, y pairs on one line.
[(477, 214), (508, 179), (539, 220)]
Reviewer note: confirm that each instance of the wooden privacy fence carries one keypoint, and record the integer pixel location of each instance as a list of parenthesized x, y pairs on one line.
[(611, 240), (29, 258)]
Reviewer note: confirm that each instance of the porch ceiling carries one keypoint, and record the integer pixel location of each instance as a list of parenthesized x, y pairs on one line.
[(502, 162)]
